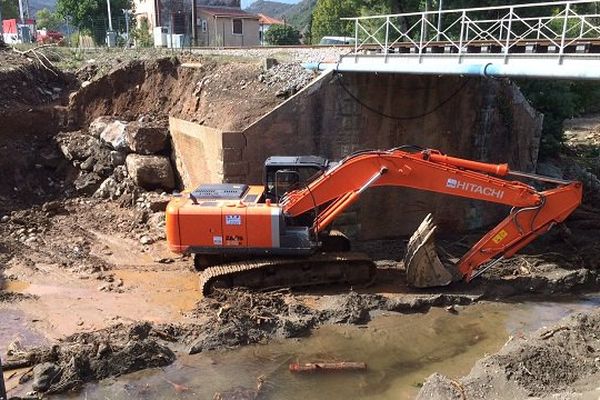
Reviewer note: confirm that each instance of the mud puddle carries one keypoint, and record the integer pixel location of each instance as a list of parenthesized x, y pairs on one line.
[(400, 350)]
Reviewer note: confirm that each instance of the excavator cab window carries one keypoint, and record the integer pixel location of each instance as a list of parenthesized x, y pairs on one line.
[(286, 180), (283, 174)]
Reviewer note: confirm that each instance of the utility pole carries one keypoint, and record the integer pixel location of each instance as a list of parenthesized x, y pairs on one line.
[(110, 35), (1, 28), (126, 12), (68, 31), (21, 15), (110, 27), (194, 34)]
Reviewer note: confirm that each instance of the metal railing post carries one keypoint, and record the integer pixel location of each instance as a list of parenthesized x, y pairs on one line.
[(582, 22), (356, 36), (508, 33), (462, 32), (539, 29), (422, 34), (468, 28), (439, 21), (561, 51), (387, 34)]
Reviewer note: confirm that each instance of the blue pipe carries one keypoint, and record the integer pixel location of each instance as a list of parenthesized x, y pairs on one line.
[(493, 70)]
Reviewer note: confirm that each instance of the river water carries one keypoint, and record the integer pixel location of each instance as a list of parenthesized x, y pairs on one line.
[(400, 350)]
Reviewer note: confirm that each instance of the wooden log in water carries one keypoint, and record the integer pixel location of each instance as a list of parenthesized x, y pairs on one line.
[(16, 364), (328, 366)]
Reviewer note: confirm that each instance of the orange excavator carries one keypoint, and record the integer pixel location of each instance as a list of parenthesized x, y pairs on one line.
[(279, 234)]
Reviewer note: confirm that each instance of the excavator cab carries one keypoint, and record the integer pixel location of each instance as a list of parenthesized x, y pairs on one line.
[(284, 173)]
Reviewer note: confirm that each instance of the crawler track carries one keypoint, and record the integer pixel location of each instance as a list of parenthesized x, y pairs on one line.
[(274, 273)]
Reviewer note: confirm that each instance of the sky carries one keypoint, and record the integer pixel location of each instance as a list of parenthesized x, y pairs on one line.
[(246, 3)]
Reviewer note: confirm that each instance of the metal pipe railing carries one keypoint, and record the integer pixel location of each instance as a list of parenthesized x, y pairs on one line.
[(507, 30), (477, 9)]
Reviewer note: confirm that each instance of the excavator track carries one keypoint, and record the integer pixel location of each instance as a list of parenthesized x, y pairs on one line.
[(275, 273)]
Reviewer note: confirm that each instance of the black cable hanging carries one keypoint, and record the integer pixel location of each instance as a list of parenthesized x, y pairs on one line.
[(401, 118)]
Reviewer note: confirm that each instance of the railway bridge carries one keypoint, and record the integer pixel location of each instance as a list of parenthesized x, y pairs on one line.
[(559, 40)]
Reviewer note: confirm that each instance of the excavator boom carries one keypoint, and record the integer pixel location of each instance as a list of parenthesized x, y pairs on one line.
[(534, 212)]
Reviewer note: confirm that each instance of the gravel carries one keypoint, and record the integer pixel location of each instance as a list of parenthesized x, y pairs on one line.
[(298, 55)]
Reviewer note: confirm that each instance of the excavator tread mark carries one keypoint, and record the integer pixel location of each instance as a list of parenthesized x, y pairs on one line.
[(269, 274)]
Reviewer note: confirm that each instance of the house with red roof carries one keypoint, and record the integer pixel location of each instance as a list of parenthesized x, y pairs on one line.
[(265, 22)]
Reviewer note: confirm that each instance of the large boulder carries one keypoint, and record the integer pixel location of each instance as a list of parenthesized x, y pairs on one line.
[(115, 135), (146, 138), (150, 172)]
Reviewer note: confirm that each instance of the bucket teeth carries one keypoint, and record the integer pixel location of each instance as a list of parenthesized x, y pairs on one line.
[(423, 266)]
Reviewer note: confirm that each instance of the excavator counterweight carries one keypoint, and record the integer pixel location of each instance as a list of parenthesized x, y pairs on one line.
[(286, 223)]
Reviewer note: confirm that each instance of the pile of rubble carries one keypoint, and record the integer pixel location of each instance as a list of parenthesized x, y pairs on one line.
[(86, 357), (286, 78), (118, 160)]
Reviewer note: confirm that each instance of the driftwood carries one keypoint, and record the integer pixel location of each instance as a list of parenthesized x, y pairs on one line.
[(39, 56), (551, 332), (16, 364), (328, 366)]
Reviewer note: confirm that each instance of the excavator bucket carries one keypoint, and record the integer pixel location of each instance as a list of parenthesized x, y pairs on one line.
[(423, 265)]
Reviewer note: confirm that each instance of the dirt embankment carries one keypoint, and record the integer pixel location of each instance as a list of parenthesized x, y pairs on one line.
[(225, 95), (562, 361)]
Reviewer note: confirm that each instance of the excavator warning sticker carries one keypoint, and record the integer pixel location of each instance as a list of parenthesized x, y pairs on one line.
[(233, 220), (500, 236)]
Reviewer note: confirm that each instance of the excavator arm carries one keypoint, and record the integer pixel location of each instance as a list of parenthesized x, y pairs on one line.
[(533, 213)]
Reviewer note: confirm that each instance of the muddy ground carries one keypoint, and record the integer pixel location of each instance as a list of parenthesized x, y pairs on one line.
[(89, 289)]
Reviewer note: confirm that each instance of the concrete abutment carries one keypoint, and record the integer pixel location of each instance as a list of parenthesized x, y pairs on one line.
[(475, 118)]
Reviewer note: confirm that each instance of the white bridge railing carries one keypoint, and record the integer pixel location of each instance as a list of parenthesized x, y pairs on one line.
[(559, 25)]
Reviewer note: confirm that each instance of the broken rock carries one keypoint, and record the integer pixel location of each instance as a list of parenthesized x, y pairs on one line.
[(117, 158), (77, 145), (150, 172), (44, 375), (115, 134), (99, 124), (145, 139), (87, 183)]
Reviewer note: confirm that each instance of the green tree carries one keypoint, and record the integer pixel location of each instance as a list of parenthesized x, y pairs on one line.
[(282, 35), (142, 35), (48, 20), (326, 18), (91, 16), (559, 100), (10, 9)]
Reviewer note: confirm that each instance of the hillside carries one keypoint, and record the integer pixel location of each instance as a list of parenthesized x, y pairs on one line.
[(273, 9), (297, 15), (36, 5)]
